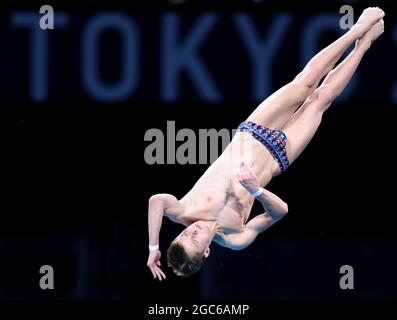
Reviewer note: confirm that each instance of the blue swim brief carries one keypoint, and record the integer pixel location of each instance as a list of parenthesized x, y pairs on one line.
[(274, 140)]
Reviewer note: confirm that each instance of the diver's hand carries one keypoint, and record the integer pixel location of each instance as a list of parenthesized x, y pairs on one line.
[(247, 178), (154, 265)]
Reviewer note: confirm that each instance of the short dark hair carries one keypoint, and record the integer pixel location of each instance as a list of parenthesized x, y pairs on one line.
[(180, 262)]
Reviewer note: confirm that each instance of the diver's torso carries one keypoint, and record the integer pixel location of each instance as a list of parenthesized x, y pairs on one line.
[(218, 195)]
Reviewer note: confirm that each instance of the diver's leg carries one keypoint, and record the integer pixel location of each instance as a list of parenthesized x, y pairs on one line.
[(304, 123), (276, 110)]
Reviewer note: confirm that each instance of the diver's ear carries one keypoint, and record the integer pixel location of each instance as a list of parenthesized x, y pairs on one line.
[(207, 252)]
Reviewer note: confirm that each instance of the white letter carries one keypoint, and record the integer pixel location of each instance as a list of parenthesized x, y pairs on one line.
[(188, 147), (47, 21), (346, 21), (346, 282), (157, 146), (47, 281)]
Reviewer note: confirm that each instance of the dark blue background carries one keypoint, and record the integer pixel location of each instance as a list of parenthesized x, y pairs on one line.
[(81, 185)]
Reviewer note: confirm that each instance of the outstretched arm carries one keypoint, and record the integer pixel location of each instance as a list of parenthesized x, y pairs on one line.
[(159, 205)]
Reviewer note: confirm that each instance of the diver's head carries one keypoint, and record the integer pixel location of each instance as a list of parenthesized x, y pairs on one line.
[(190, 248)]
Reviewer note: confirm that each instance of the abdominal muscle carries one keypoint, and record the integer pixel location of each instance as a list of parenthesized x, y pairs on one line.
[(218, 195)]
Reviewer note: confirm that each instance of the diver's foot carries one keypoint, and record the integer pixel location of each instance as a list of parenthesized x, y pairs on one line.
[(374, 33), (367, 20)]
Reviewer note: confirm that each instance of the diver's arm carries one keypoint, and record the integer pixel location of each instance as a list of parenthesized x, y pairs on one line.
[(159, 205), (272, 204), (241, 240)]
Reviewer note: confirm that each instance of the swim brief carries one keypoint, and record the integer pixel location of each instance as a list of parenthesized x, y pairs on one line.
[(274, 140)]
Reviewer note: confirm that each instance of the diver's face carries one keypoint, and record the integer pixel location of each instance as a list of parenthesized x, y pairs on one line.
[(196, 238)]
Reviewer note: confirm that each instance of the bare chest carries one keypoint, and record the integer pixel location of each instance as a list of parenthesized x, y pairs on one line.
[(229, 208), (231, 221)]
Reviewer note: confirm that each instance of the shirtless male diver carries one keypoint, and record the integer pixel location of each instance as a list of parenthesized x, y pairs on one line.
[(217, 208)]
